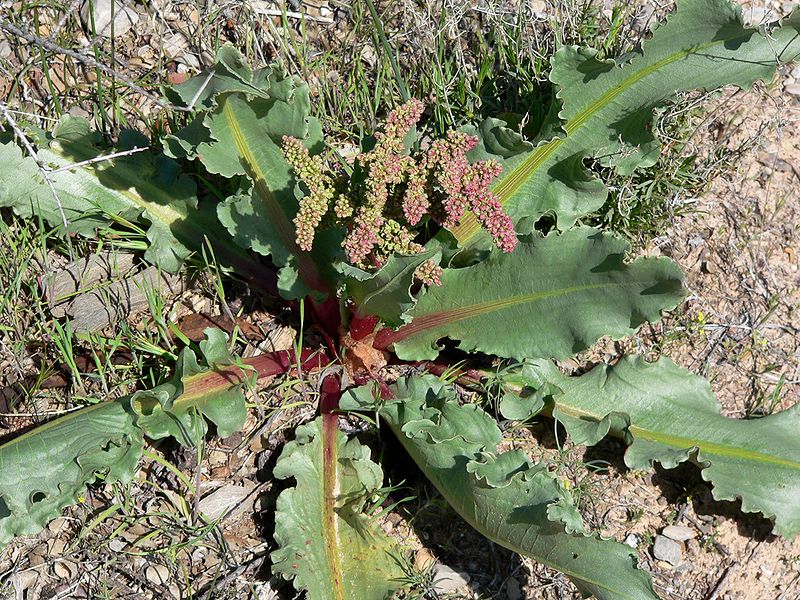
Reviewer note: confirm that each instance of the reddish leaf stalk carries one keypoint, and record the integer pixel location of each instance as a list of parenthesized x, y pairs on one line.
[(361, 327), (264, 365), (329, 401)]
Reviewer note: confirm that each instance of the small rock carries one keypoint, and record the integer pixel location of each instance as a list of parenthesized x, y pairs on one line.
[(667, 550), (124, 17), (5, 49), (423, 560), (220, 501), (447, 580), (158, 574), (792, 88), (678, 533), (795, 73), (117, 544), (632, 540)]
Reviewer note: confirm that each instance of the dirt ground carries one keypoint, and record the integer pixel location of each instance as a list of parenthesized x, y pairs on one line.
[(739, 247)]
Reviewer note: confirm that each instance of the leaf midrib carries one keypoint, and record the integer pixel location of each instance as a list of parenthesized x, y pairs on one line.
[(511, 183), (306, 267), (684, 443), (435, 320)]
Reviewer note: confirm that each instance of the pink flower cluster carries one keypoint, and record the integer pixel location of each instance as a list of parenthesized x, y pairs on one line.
[(439, 182)]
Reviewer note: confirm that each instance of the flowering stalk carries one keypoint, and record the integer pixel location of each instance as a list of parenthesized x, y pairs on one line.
[(398, 191)]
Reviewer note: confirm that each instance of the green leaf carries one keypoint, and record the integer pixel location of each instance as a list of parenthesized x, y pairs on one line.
[(387, 292), (550, 298), (141, 185), (230, 73), (669, 415), (241, 135), (179, 407), (608, 109), (511, 501), (48, 468), (327, 544)]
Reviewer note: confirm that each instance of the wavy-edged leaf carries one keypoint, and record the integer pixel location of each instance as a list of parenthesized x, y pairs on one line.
[(669, 415), (48, 468), (143, 184), (230, 73), (551, 297), (511, 501), (241, 135), (327, 544), (179, 408), (387, 292), (608, 109)]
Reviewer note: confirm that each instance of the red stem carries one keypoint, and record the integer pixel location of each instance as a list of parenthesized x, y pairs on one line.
[(265, 365), (361, 327)]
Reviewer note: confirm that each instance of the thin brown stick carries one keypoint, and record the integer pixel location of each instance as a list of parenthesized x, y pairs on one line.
[(88, 60), (723, 581)]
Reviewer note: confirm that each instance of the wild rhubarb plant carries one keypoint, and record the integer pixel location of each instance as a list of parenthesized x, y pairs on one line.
[(417, 252)]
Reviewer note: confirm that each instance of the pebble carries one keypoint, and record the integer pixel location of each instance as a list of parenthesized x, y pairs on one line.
[(423, 560), (124, 17), (795, 73), (158, 574), (678, 533), (632, 540), (792, 88), (117, 544), (447, 580), (667, 550), (224, 499), (5, 49)]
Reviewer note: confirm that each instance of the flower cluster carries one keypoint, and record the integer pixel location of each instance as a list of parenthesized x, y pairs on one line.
[(397, 191), (311, 171)]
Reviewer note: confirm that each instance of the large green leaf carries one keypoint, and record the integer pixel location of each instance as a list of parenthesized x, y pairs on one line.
[(241, 134), (608, 109), (669, 415), (48, 468), (145, 187), (143, 184), (511, 501), (327, 544), (551, 297)]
